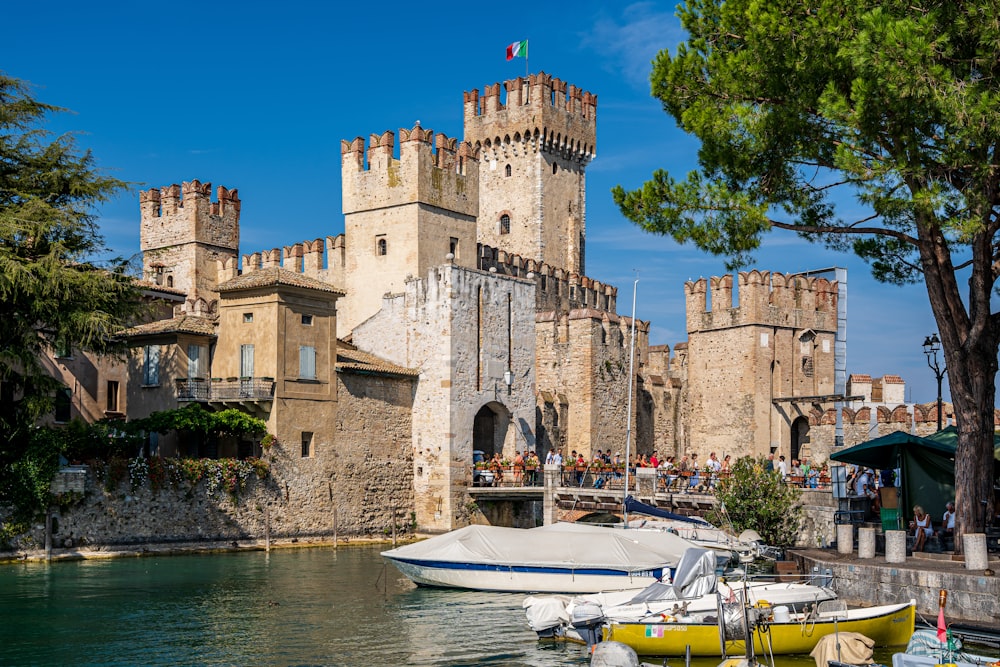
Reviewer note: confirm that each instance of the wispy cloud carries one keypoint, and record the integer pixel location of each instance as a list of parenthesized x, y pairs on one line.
[(632, 38)]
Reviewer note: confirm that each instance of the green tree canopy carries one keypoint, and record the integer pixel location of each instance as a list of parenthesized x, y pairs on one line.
[(892, 107), (53, 294)]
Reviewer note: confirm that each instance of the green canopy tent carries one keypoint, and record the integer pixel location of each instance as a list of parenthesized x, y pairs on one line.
[(926, 468), (949, 436)]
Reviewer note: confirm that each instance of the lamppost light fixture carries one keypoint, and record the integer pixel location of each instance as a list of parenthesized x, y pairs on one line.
[(931, 346)]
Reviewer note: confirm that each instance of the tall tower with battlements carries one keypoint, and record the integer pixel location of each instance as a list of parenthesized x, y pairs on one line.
[(536, 136), (404, 215), (761, 371), (184, 236)]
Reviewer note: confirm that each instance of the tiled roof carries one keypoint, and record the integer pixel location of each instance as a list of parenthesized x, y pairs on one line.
[(860, 377), (274, 276), (352, 360), (892, 379), (189, 324), (153, 287)]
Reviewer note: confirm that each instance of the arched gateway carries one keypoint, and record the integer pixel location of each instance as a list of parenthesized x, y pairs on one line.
[(491, 428)]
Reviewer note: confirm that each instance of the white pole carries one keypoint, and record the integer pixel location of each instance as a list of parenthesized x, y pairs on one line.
[(628, 428)]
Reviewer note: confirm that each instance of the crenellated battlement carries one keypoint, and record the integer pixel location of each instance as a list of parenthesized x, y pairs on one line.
[(771, 299), (186, 213), (555, 289), (316, 258), (431, 169), (540, 112)]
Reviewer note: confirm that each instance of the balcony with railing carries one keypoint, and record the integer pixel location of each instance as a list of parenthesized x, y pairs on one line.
[(231, 389)]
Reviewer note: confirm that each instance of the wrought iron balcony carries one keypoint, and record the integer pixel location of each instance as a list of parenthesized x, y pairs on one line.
[(241, 389)]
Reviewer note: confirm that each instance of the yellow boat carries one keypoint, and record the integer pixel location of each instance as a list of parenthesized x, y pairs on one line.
[(888, 625)]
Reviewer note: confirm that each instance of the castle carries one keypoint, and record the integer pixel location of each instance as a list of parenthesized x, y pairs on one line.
[(454, 314)]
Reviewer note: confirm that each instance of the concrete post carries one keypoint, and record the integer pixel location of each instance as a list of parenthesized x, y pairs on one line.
[(550, 475), (645, 482), (976, 555), (845, 538), (895, 546), (866, 543)]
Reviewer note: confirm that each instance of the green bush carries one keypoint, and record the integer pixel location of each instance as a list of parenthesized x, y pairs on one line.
[(752, 497)]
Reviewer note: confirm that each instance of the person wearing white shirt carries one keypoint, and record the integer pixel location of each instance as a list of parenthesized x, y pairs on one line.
[(947, 522)]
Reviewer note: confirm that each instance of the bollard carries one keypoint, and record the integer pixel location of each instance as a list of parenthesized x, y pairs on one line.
[(895, 546), (866, 543), (976, 556), (845, 538)]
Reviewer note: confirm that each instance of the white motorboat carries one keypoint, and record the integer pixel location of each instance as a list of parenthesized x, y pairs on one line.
[(696, 588), (565, 558), (744, 548)]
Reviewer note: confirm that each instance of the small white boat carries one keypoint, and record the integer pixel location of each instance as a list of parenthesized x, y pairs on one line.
[(565, 558), (695, 590)]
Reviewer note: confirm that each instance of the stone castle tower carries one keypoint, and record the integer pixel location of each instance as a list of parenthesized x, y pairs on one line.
[(184, 236), (534, 152), (757, 371), (403, 216)]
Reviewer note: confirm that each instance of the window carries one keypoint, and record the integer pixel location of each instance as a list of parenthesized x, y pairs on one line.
[(151, 365), (307, 362), (247, 318), (381, 247), (506, 170), (196, 361), (112, 396), (170, 281), (453, 247), (64, 350), (505, 224), (246, 361), (307, 441), (64, 399), (307, 320)]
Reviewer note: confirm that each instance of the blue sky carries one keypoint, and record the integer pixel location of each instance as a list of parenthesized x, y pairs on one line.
[(257, 96)]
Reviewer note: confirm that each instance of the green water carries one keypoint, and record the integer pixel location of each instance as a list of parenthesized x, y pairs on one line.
[(292, 607)]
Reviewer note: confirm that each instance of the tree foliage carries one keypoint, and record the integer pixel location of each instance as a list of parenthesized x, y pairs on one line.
[(756, 498), (804, 105), (193, 419), (53, 294)]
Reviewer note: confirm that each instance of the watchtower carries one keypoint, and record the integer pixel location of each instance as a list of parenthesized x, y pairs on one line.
[(403, 216), (184, 235), (535, 146), (765, 366)]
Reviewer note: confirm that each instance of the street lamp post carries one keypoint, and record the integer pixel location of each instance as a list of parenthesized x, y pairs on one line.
[(931, 346)]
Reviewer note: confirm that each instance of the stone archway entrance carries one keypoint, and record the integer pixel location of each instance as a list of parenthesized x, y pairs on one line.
[(800, 438), (490, 428)]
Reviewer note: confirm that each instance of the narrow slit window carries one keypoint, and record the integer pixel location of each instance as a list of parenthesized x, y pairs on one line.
[(505, 224)]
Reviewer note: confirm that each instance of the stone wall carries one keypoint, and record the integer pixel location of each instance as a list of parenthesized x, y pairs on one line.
[(355, 488)]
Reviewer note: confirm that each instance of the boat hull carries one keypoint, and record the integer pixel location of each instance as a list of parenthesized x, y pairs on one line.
[(523, 578), (890, 625)]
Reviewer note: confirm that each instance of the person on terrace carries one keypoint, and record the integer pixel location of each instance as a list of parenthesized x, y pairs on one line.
[(921, 525), (947, 522)]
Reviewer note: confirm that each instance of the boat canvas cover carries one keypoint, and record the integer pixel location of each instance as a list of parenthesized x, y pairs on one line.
[(633, 506), (582, 547), (694, 577)]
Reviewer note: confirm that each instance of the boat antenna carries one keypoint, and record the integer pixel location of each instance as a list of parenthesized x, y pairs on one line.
[(628, 427)]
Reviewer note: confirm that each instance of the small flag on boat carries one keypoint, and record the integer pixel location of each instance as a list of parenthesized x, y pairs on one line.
[(517, 50), (942, 628)]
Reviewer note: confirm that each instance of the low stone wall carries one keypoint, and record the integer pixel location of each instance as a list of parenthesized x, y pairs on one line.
[(972, 596), (123, 516)]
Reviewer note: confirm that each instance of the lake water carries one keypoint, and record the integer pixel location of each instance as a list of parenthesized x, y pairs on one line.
[(291, 607)]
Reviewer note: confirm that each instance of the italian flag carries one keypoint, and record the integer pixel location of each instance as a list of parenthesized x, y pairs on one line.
[(517, 50)]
